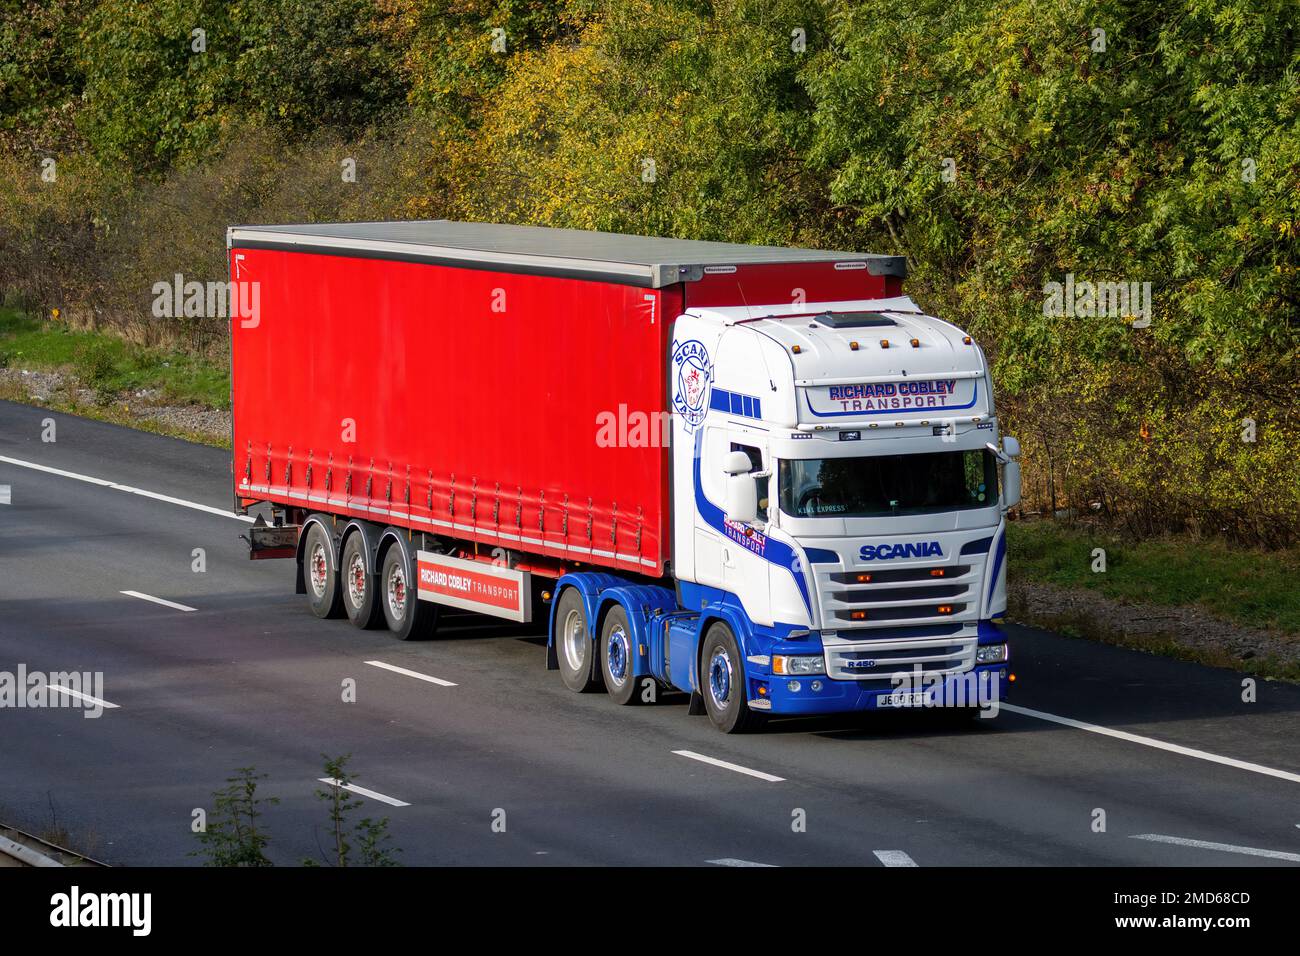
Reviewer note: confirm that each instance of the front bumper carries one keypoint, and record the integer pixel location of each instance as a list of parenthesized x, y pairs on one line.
[(981, 686)]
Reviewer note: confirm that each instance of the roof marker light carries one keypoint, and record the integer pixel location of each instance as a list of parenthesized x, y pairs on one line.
[(796, 349), (884, 343), (916, 343), (965, 340), (853, 346)]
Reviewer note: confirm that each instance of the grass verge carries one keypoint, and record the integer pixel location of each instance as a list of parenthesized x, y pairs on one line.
[(1195, 599), (98, 375), (110, 365)]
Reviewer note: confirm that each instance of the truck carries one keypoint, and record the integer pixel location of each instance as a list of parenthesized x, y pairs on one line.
[(760, 476)]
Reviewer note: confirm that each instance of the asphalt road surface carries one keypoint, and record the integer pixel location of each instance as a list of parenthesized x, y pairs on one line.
[(506, 766)]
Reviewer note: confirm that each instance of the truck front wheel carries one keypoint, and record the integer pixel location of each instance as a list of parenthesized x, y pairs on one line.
[(723, 684), (320, 573), (573, 644), (358, 584)]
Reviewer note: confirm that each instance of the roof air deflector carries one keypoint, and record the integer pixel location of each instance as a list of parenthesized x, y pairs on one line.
[(854, 320)]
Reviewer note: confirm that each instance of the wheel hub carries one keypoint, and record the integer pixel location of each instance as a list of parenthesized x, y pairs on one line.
[(720, 678), (619, 654), (575, 638), (397, 593), (318, 568), (357, 580)]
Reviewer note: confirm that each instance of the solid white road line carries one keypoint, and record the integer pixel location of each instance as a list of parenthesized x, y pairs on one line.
[(1225, 847), (729, 766), (416, 674), (392, 802), (1152, 742), (894, 858), (728, 861), (157, 600), (103, 483), (80, 696), (6, 495)]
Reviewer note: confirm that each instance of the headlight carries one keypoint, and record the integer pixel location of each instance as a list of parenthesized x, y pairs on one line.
[(991, 654), (798, 665)]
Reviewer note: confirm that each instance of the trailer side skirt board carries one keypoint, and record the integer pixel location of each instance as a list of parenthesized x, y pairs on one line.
[(475, 586)]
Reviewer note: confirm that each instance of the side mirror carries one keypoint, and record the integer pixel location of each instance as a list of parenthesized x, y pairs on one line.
[(736, 463), (742, 496), (1011, 446), (1011, 483)]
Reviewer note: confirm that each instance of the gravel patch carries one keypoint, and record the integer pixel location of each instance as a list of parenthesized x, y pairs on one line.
[(57, 389), (1188, 632)]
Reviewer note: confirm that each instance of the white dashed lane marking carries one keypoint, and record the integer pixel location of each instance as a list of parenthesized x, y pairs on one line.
[(157, 600), (894, 858), (729, 766), (362, 791), (416, 674)]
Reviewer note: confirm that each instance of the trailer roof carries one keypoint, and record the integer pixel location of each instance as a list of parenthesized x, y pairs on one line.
[(646, 261)]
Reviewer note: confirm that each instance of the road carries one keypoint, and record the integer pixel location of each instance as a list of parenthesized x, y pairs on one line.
[(506, 766)]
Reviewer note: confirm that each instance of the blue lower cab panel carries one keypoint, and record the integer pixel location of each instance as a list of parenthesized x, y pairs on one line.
[(682, 647), (976, 687)]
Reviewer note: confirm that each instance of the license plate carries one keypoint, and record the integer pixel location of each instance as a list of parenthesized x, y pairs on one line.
[(914, 699)]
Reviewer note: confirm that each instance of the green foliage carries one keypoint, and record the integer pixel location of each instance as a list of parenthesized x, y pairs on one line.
[(232, 837), (110, 366), (1246, 585), (362, 844)]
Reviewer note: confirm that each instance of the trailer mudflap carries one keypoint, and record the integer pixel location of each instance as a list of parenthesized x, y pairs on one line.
[(475, 586), (272, 541)]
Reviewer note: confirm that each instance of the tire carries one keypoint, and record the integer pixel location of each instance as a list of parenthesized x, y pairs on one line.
[(357, 584), (723, 684), (320, 573), (574, 649), (617, 656), (409, 618)]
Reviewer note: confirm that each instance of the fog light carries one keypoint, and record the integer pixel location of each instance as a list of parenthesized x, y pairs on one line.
[(816, 686), (991, 654), (793, 686)]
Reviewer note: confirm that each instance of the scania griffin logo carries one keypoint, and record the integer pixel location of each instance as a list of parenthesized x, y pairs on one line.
[(694, 377), (913, 549)]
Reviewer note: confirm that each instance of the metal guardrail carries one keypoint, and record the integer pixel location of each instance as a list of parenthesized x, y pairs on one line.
[(18, 848)]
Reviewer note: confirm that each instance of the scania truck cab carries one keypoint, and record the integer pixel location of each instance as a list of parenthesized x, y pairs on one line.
[(839, 515)]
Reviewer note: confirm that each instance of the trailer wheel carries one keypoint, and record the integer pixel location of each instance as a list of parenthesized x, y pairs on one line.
[(617, 656), (723, 684), (407, 616), (320, 573), (573, 644), (358, 584)]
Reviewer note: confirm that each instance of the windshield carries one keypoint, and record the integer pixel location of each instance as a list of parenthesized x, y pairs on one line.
[(888, 484)]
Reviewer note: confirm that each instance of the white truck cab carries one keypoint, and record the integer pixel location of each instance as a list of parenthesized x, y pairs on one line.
[(849, 496)]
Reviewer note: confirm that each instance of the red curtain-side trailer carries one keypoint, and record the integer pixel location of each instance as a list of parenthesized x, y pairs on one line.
[(460, 402)]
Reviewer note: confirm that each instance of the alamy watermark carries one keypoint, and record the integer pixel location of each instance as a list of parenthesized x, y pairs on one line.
[(238, 298), (917, 688), (40, 689), (1084, 299)]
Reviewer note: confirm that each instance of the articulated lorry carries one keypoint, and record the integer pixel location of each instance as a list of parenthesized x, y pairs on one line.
[(761, 476)]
